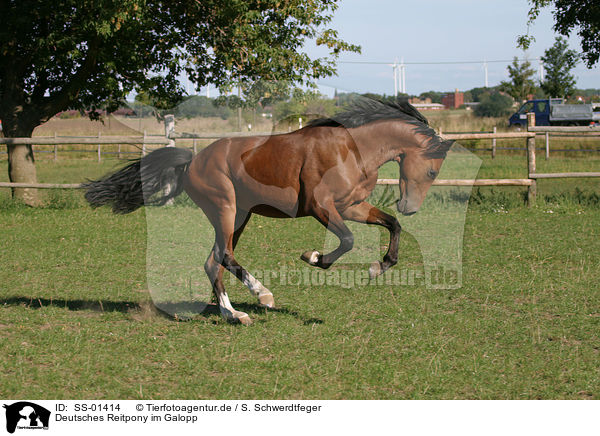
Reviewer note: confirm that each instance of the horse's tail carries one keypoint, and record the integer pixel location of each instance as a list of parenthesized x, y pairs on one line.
[(152, 180)]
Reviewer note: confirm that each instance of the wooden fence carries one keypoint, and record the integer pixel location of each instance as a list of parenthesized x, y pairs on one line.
[(551, 132), (98, 141), (529, 137)]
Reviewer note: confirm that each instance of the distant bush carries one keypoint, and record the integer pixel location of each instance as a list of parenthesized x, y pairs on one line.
[(201, 106), (494, 104), (304, 103)]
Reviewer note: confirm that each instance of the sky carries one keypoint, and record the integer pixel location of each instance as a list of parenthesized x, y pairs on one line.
[(438, 31)]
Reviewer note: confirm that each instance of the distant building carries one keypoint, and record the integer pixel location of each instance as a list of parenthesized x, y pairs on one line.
[(417, 100), (454, 100), (425, 104), (428, 106)]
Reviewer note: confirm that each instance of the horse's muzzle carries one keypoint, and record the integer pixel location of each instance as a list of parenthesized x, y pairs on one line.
[(402, 206)]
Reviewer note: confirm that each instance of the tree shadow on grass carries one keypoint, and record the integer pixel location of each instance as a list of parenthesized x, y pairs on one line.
[(166, 309)]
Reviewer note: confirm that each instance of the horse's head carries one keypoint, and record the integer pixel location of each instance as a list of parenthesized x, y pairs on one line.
[(418, 170)]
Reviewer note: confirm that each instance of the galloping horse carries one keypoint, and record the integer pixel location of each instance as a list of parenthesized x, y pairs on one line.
[(325, 170)]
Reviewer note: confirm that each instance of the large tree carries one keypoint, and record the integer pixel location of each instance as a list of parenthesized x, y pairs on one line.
[(559, 60), (582, 15), (521, 82), (89, 55)]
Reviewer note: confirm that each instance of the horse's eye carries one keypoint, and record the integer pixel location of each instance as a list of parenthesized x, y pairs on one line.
[(432, 173)]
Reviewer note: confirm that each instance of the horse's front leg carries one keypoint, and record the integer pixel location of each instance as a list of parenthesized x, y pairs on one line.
[(330, 218), (369, 214)]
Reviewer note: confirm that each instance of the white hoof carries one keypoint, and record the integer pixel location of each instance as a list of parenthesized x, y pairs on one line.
[(236, 316), (244, 319), (311, 257), (375, 269), (266, 300)]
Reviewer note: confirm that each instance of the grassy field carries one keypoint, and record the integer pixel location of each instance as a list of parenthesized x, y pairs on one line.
[(78, 320)]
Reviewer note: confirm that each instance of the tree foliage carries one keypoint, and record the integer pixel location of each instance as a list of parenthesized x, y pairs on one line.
[(308, 104), (477, 93), (521, 82), (89, 55), (559, 60), (583, 15), (435, 96), (494, 104), (81, 55)]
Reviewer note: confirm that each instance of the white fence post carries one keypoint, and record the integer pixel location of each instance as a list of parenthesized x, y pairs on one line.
[(170, 129), (99, 150), (144, 145), (55, 148), (547, 145), (494, 145)]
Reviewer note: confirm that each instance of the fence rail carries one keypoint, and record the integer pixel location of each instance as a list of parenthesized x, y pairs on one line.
[(70, 140), (170, 136)]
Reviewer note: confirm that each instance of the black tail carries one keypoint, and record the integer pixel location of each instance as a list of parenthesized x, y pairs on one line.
[(152, 180)]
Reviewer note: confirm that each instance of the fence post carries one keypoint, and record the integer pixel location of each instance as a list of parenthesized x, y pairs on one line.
[(195, 147), (170, 129), (55, 148), (119, 151), (532, 189), (99, 150), (144, 144), (547, 145), (494, 145)]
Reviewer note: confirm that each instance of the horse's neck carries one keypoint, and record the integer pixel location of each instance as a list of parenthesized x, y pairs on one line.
[(379, 143)]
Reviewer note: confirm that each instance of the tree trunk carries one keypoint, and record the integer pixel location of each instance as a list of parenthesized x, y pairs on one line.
[(21, 165)]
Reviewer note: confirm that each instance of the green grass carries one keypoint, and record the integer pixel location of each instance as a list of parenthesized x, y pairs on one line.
[(77, 319), (77, 322)]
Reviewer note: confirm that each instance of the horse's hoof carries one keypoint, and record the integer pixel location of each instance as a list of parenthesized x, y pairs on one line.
[(311, 257), (244, 319), (236, 317), (266, 300), (375, 269)]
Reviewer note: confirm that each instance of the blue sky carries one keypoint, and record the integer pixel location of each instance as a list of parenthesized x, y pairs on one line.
[(438, 31)]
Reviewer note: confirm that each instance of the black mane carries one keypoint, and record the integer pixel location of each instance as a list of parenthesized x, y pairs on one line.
[(367, 111)]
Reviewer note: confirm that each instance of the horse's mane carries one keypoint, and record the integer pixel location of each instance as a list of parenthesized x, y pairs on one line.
[(366, 111)]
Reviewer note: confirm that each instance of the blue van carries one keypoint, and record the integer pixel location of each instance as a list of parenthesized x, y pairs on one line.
[(540, 107), (552, 112)]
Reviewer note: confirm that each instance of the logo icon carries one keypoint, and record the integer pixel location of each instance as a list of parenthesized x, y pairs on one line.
[(26, 415)]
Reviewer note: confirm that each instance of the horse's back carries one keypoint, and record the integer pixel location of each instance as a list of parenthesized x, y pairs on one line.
[(280, 173)]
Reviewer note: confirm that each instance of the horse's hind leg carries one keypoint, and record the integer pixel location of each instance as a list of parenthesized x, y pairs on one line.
[(366, 213), (256, 288), (222, 257), (214, 271)]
